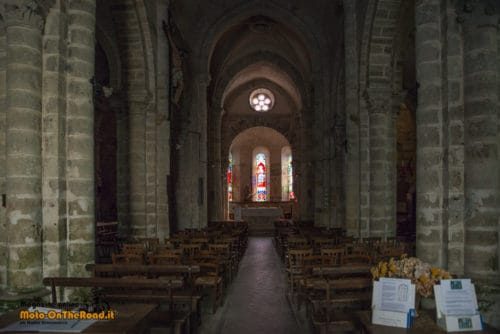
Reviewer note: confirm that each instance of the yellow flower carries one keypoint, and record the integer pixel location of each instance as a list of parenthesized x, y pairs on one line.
[(423, 278), (393, 268), (374, 271), (383, 270)]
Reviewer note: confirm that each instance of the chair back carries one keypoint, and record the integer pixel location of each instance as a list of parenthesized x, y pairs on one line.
[(127, 258), (333, 256), (296, 257), (190, 251), (135, 248), (164, 259), (356, 259)]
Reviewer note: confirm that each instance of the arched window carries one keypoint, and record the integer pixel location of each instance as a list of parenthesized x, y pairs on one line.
[(286, 174), (260, 178), (289, 167), (230, 179)]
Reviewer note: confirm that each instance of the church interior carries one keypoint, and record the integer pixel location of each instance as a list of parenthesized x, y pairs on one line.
[(357, 121)]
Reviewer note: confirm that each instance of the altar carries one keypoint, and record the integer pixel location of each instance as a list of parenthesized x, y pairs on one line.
[(260, 219)]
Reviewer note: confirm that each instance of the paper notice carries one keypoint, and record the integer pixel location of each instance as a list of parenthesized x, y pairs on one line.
[(458, 297), (397, 295)]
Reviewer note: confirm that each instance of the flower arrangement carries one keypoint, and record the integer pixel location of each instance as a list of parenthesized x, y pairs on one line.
[(422, 274)]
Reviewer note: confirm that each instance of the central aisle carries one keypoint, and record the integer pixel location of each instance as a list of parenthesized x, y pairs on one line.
[(255, 301)]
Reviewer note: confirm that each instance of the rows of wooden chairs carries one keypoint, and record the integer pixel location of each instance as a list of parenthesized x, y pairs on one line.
[(329, 272), (216, 251)]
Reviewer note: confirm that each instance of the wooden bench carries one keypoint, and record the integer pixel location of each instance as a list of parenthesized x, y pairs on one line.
[(135, 289), (186, 298)]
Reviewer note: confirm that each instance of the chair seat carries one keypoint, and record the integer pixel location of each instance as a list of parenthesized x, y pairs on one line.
[(208, 280)]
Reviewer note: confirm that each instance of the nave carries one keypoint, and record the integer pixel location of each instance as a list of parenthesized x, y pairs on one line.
[(256, 300)]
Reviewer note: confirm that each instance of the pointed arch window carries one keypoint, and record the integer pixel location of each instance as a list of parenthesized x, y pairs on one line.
[(261, 178)]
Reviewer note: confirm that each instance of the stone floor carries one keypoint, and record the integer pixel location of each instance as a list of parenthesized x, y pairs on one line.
[(256, 302)]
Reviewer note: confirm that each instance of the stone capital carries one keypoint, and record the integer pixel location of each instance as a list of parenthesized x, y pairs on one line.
[(24, 13)]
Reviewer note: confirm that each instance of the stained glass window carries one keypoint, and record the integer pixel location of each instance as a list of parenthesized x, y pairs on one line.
[(291, 194), (261, 177), (230, 178)]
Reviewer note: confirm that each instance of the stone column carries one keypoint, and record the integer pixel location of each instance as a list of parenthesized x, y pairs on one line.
[(137, 164), (305, 170), (481, 144), (430, 125), (202, 80), (192, 184), (80, 137), (3, 161), (351, 180), (54, 143), (455, 130), (122, 165), (217, 167), (381, 200), (162, 123), (23, 147)]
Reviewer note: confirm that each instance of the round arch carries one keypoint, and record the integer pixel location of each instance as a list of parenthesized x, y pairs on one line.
[(278, 13)]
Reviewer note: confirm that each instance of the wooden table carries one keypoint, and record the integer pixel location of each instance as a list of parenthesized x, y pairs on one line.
[(425, 323), (129, 319)]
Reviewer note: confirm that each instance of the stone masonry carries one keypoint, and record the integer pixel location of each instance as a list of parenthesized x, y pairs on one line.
[(176, 76)]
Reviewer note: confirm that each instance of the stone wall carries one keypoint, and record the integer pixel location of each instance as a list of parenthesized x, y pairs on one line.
[(3, 90)]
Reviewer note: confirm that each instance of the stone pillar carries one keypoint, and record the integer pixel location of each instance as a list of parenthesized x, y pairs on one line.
[(137, 164), (481, 141), (352, 171), (381, 200), (162, 123), (430, 125), (122, 165), (455, 130), (202, 79), (80, 137), (192, 184), (23, 147), (364, 170), (54, 143), (306, 170), (217, 167), (3, 161)]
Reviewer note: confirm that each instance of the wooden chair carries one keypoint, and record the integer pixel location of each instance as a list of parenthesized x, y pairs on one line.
[(163, 248), (127, 258), (149, 244), (190, 251), (338, 299), (356, 260), (224, 251), (164, 259), (210, 277), (203, 242), (134, 248), (167, 260), (333, 256), (322, 242), (296, 266), (297, 243)]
